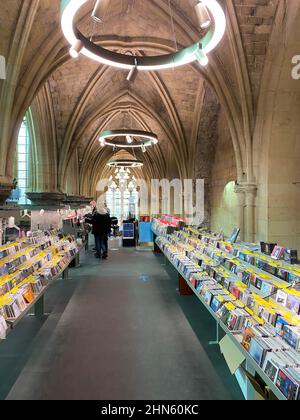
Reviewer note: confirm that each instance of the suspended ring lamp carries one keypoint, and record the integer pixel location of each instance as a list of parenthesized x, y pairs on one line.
[(215, 22), (125, 163), (146, 139)]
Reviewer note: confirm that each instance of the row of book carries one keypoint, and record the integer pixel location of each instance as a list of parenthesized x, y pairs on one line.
[(35, 272), (15, 247), (10, 249), (279, 361), (10, 263), (168, 224), (17, 302), (29, 260), (239, 309), (251, 254), (278, 312), (226, 269), (251, 275), (265, 283)]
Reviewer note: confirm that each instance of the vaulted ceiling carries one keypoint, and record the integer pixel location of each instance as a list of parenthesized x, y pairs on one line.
[(73, 100)]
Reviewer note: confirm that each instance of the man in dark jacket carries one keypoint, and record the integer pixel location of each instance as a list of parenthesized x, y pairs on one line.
[(101, 229)]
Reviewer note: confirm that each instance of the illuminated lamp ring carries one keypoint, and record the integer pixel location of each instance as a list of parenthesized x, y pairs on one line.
[(125, 163), (102, 55), (147, 139)]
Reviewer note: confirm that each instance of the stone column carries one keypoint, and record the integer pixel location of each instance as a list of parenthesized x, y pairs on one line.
[(246, 212), (250, 195), (240, 191)]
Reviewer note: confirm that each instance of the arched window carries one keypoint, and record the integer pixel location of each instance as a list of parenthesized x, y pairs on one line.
[(122, 197), (22, 165), (23, 150)]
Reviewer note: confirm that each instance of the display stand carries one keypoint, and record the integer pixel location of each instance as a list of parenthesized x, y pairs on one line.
[(129, 234), (216, 342), (250, 364), (39, 307), (65, 274), (156, 248), (38, 304)]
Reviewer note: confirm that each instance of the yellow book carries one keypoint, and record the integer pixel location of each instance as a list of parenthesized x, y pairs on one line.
[(250, 312), (281, 285), (259, 320), (229, 306)]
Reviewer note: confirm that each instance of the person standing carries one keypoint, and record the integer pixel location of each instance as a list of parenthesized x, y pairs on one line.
[(101, 223)]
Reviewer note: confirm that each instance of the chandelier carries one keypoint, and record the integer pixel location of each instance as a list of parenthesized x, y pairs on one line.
[(125, 163), (134, 139), (210, 16)]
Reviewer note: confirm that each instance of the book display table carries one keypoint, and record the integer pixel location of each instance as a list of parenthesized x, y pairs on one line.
[(28, 268), (208, 268)]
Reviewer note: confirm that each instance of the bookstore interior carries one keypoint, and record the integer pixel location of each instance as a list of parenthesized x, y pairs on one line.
[(149, 200)]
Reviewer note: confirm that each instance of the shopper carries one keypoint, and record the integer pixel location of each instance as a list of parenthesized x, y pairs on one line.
[(101, 223)]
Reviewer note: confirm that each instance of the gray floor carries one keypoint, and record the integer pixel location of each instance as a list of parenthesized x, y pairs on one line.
[(117, 330)]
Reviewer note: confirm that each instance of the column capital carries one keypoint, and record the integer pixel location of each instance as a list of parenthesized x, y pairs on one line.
[(77, 200), (46, 199), (245, 188)]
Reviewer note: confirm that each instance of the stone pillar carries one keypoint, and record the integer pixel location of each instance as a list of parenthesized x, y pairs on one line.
[(241, 210), (246, 211), (250, 192)]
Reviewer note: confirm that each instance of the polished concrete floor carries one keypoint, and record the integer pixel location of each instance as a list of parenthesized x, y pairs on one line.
[(116, 330)]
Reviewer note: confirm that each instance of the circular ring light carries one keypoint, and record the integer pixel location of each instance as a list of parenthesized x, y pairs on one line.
[(198, 51), (125, 163), (146, 139)]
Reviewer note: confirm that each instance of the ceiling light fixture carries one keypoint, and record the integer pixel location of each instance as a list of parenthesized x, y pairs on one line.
[(76, 49), (143, 139), (125, 163), (202, 57), (188, 55), (97, 11), (133, 73), (203, 16)]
